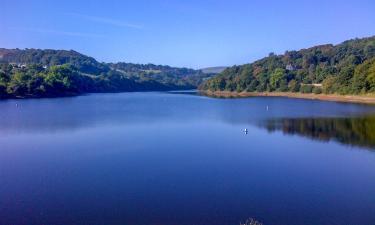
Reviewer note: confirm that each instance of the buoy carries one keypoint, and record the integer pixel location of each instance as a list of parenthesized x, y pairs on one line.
[(245, 130), (267, 108)]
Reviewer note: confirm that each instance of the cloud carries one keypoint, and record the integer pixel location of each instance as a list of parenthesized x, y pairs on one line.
[(108, 21), (57, 32)]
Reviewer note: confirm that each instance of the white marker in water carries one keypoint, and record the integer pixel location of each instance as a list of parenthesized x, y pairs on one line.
[(267, 108)]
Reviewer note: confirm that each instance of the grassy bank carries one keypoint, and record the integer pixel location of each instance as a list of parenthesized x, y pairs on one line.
[(364, 99)]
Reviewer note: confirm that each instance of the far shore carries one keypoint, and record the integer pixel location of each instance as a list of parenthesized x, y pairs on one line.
[(363, 99)]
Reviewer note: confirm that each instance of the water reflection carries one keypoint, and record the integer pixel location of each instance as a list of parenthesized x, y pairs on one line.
[(134, 158), (345, 123), (357, 131)]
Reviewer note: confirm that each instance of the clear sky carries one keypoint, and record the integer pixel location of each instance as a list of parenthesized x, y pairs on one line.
[(194, 33)]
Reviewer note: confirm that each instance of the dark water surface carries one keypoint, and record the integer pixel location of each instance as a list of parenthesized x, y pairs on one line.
[(176, 159)]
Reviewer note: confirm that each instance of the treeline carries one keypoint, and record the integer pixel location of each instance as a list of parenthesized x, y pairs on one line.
[(347, 68), (184, 77), (50, 57), (65, 80), (48, 73)]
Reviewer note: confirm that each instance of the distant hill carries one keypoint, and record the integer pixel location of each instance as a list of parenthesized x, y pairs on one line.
[(45, 73), (215, 70), (346, 68), (50, 57), (165, 74)]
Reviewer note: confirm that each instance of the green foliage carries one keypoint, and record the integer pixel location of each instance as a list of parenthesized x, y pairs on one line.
[(51, 57), (172, 77), (293, 86), (34, 81), (276, 78), (62, 79), (317, 90), (330, 85), (347, 68), (306, 89), (364, 77), (49, 73), (18, 84)]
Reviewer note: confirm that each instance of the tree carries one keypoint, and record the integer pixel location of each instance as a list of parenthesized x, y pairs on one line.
[(360, 82), (276, 78), (293, 86), (344, 69), (62, 79), (306, 88), (329, 85), (371, 77), (317, 90), (18, 84)]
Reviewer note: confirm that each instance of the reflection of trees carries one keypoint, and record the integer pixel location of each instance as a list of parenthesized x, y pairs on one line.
[(353, 131)]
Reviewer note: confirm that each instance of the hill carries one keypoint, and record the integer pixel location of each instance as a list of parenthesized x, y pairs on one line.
[(215, 70), (346, 68), (45, 73), (50, 57), (182, 77)]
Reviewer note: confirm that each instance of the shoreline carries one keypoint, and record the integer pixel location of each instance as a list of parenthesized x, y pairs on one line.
[(361, 99)]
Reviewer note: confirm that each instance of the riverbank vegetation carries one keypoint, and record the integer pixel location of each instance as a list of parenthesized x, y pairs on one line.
[(53, 73), (346, 68), (368, 98), (66, 80)]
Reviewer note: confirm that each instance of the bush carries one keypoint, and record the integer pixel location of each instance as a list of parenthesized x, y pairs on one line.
[(283, 86), (293, 86), (330, 85), (317, 90), (306, 89)]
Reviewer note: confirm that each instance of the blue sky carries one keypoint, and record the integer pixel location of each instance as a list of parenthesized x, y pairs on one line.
[(182, 33)]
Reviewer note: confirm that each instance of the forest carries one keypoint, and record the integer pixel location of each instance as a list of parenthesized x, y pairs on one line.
[(346, 68), (52, 73)]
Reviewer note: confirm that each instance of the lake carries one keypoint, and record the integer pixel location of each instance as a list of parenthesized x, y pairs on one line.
[(177, 158)]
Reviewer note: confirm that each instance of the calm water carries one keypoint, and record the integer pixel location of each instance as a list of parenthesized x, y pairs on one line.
[(178, 158)]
